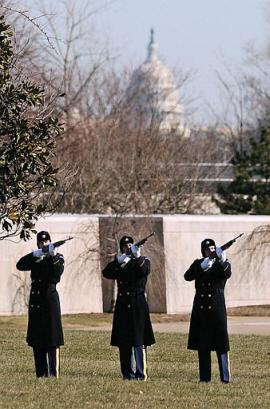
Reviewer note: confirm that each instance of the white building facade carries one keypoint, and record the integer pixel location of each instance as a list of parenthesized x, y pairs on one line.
[(152, 94)]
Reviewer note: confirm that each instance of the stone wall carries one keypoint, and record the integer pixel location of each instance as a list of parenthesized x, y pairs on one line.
[(249, 256), (173, 248)]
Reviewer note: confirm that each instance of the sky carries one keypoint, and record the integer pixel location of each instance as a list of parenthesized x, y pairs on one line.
[(202, 36)]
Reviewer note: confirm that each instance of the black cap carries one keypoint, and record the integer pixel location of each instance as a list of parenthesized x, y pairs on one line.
[(125, 240), (207, 243), (43, 236)]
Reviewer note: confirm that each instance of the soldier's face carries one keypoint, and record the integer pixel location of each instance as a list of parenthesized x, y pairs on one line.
[(43, 243), (126, 248), (209, 251)]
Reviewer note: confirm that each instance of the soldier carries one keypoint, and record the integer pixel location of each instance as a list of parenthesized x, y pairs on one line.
[(44, 333), (208, 325), (132, 329)]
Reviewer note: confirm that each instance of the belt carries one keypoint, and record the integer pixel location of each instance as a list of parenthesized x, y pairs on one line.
[(42, 284), (129, 293), (210, 290)]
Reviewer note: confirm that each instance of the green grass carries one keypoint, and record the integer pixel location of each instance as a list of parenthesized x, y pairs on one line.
[(90, 376)]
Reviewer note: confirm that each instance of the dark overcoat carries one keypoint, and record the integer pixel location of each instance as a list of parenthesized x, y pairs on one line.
[(208, 324), (44, 314), (131, 321)]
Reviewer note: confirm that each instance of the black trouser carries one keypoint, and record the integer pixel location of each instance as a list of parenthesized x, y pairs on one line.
[(47, 362), (127, 365), (205, 366)]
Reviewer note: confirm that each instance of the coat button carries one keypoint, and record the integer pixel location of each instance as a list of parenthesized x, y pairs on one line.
[(129, 306), (209, 284), (209, 307), (32, 306), (120, 282), (120, 294), (33, 292), (209, 295), (201, 307), (38, 306), (128, 293), (202, 295)]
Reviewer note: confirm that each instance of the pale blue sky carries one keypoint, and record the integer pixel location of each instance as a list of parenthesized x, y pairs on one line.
[(197, 35)]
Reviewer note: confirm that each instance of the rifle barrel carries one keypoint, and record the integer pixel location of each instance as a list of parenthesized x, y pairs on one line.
[(142, 241), (230, 243), (61, 242)]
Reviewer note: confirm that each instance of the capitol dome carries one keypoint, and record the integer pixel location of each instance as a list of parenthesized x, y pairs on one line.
[(152, 94)]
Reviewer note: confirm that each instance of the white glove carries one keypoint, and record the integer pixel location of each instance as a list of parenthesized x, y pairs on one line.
[(123, 259), (38, 253), (51, 249), (221, 254), (136, 251), (207, 263)]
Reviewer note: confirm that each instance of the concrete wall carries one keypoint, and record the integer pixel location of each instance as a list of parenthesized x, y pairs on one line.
[(110, 231), (172, 250), (249, 256), (80, 286)]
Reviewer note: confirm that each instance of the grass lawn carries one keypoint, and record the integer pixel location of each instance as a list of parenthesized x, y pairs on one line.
[(90, 376)]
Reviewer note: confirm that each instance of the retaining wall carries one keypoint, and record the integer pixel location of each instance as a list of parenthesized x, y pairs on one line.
[(173, 248)]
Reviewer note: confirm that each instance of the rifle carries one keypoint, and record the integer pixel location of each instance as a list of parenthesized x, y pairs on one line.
[(230, 243), (225, 246), (142, 241), (60, 242), (56, 244)]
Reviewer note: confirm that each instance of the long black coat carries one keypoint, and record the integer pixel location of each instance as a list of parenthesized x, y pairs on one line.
[(131, 321), (44, 314), (208, 324)]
